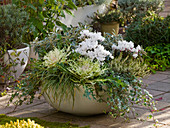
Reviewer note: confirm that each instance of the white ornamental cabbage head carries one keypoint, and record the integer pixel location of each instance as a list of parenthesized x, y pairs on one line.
[(90, 47), (54, 57), (127, 46)]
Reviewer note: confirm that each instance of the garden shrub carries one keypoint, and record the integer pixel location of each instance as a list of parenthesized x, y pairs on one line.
[(149, 31), (134, 9), (44, 16), (13, 25), (158, 57)]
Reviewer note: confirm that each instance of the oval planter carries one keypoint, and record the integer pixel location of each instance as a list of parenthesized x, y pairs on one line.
[(19, 68), (82, 105), (80, 15), (108, 27)]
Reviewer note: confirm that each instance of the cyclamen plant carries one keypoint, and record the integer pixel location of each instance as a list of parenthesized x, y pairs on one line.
[(127, 46), (90, 46)]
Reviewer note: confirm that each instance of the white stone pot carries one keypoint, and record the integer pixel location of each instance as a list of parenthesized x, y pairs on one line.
[(82, 105), (80, 15), (18, 68)]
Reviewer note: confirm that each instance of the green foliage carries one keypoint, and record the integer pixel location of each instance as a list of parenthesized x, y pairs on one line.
[(149, 31), (60, 39), (85, 69), (13, 26), (110, 15), (8, 62), (124, 91), (135, 9), (44, 15), (6, 119), (124, 66), (111, 39), (158, 57)]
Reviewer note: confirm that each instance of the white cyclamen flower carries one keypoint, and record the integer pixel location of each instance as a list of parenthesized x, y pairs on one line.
[(127, 46), (135, 55), (90, 47), (138, 48)]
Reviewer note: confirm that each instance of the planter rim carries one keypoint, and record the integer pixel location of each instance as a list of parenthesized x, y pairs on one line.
[(20, 49), (86, 6), (113, 22)]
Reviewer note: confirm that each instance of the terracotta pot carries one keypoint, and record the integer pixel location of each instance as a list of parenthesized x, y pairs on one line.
[(110, 28), (82, 105)]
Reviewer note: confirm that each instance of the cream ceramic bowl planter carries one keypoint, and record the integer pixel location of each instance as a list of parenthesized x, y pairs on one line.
[(82, 105), (19, 68), (80, 15)]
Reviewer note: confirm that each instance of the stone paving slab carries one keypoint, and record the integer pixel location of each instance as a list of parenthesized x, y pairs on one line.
[(5, 99), (11, 108), (147, 81), (161, 105), (157, 77), (165, 72), (159, 86), (103, 119), (23, 113), (5, 110), (164, 97), (155, 93), (166, 80), (134, 124), (43, 108)]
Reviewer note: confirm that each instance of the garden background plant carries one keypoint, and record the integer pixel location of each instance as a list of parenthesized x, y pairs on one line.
[(44, 16), (153, 33), (149, 31), (136, 9)]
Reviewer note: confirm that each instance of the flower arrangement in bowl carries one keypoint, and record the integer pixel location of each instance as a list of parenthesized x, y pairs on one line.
[(78, 74)]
